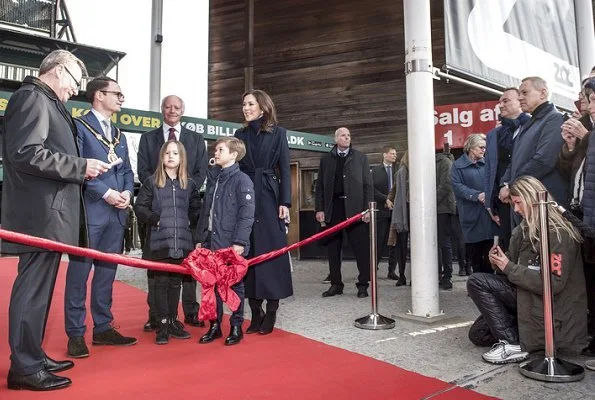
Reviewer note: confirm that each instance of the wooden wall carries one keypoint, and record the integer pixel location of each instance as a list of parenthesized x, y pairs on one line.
[(326, 64)]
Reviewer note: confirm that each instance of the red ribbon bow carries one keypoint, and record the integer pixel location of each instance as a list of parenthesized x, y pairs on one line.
[(222, 269)]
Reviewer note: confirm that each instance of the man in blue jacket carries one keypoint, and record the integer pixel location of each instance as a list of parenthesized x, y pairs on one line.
[(499, 143), (538, 142), (106, 202)]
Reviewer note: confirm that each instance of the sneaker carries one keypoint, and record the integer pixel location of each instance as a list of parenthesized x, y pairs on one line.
[(590, 364), (77, 348), (327, 279), (505, 353), (176, 330), (112, 337)]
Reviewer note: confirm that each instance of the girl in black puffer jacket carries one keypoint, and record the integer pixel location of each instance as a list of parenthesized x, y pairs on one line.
[(169, 203)]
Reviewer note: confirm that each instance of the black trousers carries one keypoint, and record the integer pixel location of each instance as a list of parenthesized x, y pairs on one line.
[(167, 291), (478, 256), (382, 229), (401, 252), (358, 237), (445, 245), (30, 302), (589, 270), (189, 303), (458, 241)]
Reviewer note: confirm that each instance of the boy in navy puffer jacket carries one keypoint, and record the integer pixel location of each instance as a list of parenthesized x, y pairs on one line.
[(226, 221)]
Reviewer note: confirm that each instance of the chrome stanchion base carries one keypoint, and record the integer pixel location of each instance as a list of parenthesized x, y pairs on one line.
[(551, 369), (374, 322)]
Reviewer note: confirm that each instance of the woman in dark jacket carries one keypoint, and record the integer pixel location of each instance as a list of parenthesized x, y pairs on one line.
[(468, 183), (267, 164), (169, 203)]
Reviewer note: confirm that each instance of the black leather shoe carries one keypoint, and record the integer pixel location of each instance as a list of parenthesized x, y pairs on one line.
[(256, 322), (362, 292), (77, 348), (235, 336), (393, 276), (176, 330), (51, 365), (268, 323), (150, 326), (39, 381), (193, 320), (112, 337), (401, 282), (213, 333), (333, 291)]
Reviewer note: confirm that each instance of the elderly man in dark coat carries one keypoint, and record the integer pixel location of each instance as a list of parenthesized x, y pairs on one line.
[(172, 108), (538, 142), (343, 189), (42, 196)]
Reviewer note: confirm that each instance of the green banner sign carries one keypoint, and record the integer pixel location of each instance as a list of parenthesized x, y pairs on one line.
[(139, 121)]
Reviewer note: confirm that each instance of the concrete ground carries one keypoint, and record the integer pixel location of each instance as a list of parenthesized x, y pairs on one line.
[(441, 350)]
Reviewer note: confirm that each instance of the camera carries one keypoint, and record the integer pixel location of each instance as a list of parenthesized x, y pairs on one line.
[(566, 117)]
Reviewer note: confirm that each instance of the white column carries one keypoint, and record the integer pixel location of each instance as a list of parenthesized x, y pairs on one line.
[(583, 10), (155, 67), (422, 171)]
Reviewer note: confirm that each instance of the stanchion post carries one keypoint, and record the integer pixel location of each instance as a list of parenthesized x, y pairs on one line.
[(374, 321), (549, 369)]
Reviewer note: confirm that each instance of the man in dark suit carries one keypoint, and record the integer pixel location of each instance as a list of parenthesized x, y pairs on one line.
[(106, 201), (172, 108), (43, 174), (382, 176), (343, 189)]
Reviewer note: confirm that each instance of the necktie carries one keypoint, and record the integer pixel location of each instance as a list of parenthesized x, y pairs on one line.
[(106, 129), (342, 154), (389, 172), (172, 134)]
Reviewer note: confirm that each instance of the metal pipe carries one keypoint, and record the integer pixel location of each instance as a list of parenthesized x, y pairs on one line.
[(373, 259), (466, 82), (583, 10), (155, 64), (546, 274), (420, 137)]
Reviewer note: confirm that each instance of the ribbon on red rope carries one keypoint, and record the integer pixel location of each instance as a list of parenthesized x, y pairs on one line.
[(221, 269)]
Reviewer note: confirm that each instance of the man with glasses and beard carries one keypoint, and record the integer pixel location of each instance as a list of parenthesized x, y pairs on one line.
[(106, 202), (43, 174)]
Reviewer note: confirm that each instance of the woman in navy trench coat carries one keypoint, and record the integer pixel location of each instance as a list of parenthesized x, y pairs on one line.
[(267, 164), (468, 177)]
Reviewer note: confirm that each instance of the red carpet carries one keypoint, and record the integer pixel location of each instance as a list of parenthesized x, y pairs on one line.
[(279, 366)]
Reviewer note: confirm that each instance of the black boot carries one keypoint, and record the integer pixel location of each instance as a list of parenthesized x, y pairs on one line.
[(257, 316), (213, 333), (176, 329), (268, 322), (235, 336), (162, 336)]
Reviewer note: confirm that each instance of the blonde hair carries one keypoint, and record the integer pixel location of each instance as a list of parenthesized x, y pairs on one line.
[(472, 141), (234, 145), (527, 188), (161, 174), (405, 159)]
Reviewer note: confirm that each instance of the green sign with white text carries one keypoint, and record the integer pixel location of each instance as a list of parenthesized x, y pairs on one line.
[(139, 121)]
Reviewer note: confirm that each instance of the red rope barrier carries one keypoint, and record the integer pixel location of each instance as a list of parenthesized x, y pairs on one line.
[(313, 238), (220, 269)]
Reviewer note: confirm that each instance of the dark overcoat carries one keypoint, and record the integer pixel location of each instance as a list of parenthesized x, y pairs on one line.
[(196, 154), (357, 181), (468, 181), (380, 179), (43, 173), (267, 164)]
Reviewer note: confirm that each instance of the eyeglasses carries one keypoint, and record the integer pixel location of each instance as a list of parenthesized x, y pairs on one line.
[(119, 94), (78, 83)]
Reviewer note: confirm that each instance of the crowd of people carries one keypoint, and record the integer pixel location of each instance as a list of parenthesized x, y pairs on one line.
[(80, 172)]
